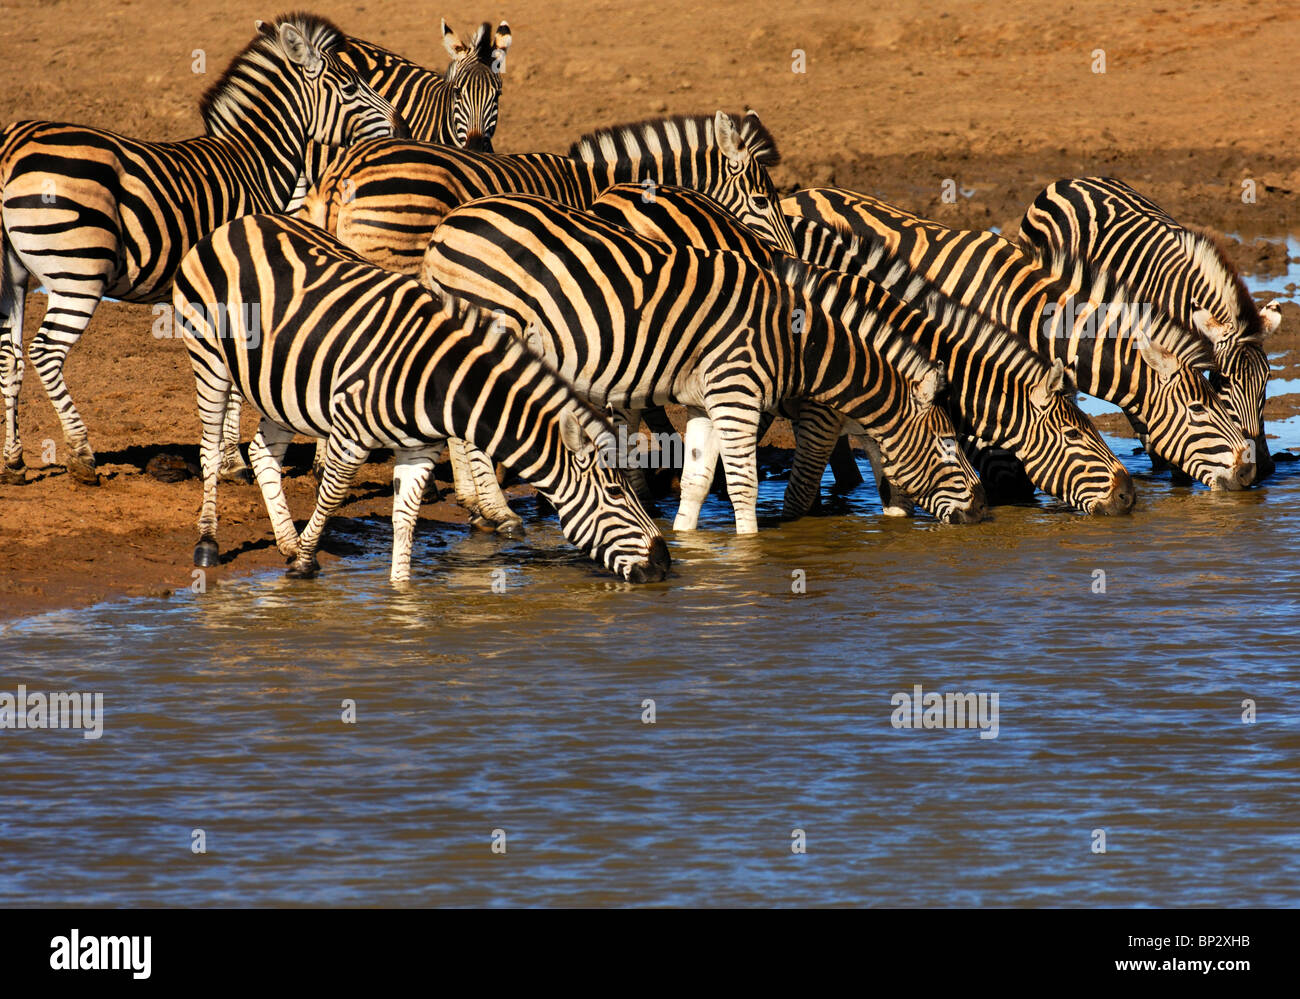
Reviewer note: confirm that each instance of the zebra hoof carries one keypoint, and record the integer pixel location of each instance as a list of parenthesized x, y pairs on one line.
[(83, 471), (301, 570), (14, 476), (206, 553), (513, 529), (242, 475)]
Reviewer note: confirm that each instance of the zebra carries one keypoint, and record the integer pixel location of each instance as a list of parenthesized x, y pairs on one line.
[(366, 358), (92, 214), (458, 108), (1114, 349), (999, 389), (1184, 271), (384, 198), (632, 322)]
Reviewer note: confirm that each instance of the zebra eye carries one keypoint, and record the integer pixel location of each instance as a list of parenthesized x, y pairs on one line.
[(616, 492), (349, 88), (760, 203), (1073, 435), (1196, 409)]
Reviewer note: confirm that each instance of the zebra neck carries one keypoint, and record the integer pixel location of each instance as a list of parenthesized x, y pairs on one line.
[(263, 124)]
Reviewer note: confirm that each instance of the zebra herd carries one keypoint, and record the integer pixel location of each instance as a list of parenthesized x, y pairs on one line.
[(414, 290)]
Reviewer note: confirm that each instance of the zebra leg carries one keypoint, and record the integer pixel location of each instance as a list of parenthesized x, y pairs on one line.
[(492, 508), (697, 469), (233, 466), (893, 502), (343, 460), (1158, 464), (845, 467), (816, 433), (14, 471), (266, 450), (318, 460), (411, 468), (66, 318), (736, 430), (206, 552)]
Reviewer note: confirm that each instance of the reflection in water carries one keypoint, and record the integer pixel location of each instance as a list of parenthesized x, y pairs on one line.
[(1123, 651)]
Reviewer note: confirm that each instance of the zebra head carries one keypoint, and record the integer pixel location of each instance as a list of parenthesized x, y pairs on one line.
[(1240, 378), (1063, 452), (923, 459), (598, 510), (474, 77), (747, 190), (1185, 422), (339, 109)]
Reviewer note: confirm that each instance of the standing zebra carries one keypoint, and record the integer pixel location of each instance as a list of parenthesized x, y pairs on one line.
[(458, 108), (632, 322), (1184, 272), (1114, 349), (92, 214), (999, 389), (366, 359), (384, 198)]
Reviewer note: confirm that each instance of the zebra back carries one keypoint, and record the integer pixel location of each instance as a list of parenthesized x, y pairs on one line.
[(385, 198), (1183, 271), (341, 349), (1116, 347)]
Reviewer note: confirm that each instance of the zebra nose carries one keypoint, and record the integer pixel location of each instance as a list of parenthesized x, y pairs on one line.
[(1243, 466), (1264, 464), (657, 567), (975, 511), (1123, 494), (477, 142)]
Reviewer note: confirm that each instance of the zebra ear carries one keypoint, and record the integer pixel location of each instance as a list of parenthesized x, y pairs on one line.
[(1165, 363), (454, 46), (929, 387), (299, 50), (1271, 318), (1209, 327), (501, 40), (572, 434), (1052, 385), (728, 138)]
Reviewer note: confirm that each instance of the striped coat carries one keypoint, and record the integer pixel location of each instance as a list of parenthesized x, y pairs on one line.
[(324, 344), (384, 198)]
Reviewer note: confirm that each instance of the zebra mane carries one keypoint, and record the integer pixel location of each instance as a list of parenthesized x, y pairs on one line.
[(631, 143), (231, 89), (1210, 256), (1191, 347)]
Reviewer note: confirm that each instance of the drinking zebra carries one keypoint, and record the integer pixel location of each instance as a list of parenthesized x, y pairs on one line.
[(633, 322), (366, 358), (999, 389), (1115, 350), (1183, 271), (92, 214)]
